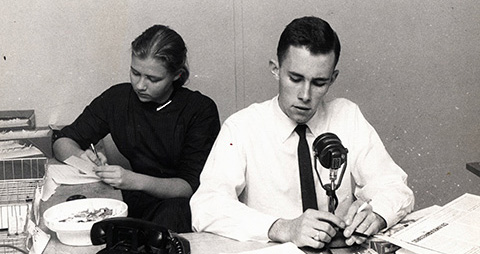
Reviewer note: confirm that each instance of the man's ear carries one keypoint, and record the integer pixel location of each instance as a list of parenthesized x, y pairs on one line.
[(334, 76), (274, 68)]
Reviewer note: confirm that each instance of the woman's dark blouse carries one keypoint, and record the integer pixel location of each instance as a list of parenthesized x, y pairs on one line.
[(172, 142)]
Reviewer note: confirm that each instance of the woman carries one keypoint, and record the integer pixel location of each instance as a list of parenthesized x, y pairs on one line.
[(165, 131)]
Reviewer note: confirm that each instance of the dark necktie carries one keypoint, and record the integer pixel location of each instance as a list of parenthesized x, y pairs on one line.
[(309, 198)]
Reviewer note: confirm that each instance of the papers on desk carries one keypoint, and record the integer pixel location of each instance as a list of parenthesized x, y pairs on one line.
[(66, 174), (454, 228), (11, 149)]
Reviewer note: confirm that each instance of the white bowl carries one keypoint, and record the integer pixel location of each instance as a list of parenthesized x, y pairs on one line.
[(78, 233)]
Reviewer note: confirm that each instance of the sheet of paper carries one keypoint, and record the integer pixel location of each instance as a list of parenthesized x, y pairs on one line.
[(65, 174), (406, 247), (454, 228), (285, 248), (84, 166)]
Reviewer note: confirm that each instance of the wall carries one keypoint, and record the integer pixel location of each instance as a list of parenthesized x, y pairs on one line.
[(412, 66), (70, 51)]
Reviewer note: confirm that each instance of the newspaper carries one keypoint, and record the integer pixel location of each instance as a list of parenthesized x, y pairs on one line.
[(454, 228)]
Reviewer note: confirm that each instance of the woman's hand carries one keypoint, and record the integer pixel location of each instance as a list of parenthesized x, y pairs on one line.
[(117, 177), (89, 155)]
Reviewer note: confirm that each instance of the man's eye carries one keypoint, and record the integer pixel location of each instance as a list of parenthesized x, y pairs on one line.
[(295, 79), (319, 84), (135, 73)]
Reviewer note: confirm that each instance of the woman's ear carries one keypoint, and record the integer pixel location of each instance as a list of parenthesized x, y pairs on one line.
[(178, 75), (274, 68)]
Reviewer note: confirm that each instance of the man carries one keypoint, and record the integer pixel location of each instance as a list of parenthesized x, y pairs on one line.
[(251, 187)]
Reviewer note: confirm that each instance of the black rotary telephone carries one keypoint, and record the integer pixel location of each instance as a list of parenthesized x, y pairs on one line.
[(132, 236)]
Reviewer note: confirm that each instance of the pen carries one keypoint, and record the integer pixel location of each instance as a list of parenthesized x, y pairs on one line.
[(355, 233), (95, 152), (363, 206)]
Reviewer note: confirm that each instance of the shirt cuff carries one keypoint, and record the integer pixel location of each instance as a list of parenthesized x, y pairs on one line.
[(391, 217)]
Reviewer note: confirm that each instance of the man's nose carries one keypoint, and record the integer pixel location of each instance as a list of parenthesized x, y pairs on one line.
[(305, 93)]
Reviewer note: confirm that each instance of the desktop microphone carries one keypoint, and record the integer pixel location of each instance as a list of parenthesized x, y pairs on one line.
[(328, 149)]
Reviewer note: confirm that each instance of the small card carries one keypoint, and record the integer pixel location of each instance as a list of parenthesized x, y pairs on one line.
[(85, 167)]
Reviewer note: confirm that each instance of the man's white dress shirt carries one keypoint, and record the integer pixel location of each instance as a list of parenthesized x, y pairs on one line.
[(251, 177)]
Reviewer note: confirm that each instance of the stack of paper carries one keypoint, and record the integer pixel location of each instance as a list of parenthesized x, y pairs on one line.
[(12, 149)]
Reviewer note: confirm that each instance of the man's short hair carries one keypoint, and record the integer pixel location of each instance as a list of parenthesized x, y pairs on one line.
[(311, 32)]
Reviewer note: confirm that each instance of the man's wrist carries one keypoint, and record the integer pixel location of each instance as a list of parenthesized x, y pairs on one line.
[(275, 233), (382, 222)]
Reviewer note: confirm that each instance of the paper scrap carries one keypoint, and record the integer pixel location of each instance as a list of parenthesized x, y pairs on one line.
[(48, 187), (37, 239)]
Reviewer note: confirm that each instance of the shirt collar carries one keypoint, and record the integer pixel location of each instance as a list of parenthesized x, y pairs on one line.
[(286, 126)]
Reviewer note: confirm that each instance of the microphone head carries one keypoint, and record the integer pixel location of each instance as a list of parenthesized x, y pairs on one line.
[(329, 150)]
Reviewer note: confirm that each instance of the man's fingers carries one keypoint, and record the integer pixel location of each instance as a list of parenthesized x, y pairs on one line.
[(352, 211), (326, 217), (322, 236)]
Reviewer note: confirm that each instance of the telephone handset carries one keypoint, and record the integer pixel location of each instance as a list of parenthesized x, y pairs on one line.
[(129, 235)]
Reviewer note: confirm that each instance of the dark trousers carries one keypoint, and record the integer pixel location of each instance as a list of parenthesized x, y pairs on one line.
[(173, 213)]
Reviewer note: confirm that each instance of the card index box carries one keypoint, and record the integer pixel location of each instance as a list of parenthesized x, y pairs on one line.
[(17, 120)]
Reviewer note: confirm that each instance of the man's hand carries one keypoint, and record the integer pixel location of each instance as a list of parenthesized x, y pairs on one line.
[(313, 229), (117, 177), (366, 222)]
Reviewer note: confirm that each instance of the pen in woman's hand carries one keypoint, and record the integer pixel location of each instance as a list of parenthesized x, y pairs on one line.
[(95, 152)]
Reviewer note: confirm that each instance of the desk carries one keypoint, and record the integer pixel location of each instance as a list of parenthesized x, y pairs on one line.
[(200, 243), (206, 243)]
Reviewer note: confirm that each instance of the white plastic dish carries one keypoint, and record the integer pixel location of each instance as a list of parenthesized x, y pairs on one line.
[(78, 233)]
